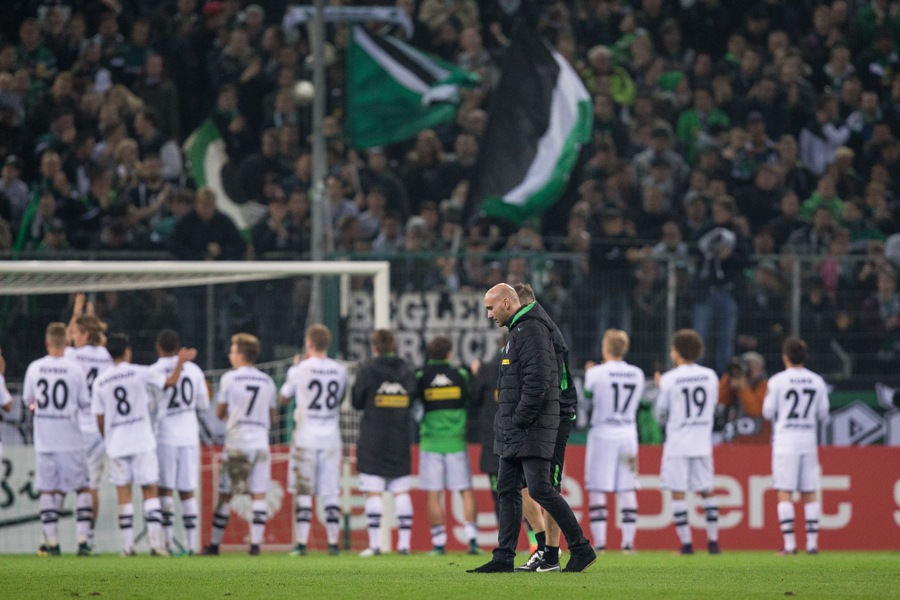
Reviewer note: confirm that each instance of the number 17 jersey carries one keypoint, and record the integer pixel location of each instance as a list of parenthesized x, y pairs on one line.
[(615, 389), (318, 386)]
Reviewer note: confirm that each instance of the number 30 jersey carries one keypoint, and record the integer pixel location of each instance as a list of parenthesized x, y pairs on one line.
[(615, 389), (796, 400), (318, 386), (122, 394), (177, 424), (688, 395), (250, 396), (56, 388)]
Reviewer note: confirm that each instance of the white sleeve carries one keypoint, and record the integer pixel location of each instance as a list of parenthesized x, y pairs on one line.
[(661, 412), (769, 403), (28, 388), (823, 409), (5, 398), (288, 388), (273, 397), (202, 391), (222, 395), (97, 402)]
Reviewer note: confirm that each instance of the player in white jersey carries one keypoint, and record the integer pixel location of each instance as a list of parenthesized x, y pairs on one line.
[(796, 400), (5, 399), (178, 439), (86, 334), (55, 389), (246, 402), (317, 384), (615, 389), (121, 400), (687, 403)]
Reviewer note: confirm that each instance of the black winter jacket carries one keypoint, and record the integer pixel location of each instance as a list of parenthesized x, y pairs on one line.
[(568, 396), (528, 388), (383, 390)]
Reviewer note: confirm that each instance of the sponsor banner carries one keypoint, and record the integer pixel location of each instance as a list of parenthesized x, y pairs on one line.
[(860, 499)]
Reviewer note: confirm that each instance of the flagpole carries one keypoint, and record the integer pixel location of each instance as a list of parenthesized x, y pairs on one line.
[(316, 30)]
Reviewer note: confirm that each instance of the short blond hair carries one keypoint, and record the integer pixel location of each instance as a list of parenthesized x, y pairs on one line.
[(56, 335), (247, 346), (616, 342), (319, 336)]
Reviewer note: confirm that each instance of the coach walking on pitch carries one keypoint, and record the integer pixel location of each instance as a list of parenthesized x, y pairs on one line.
[(525, 428)]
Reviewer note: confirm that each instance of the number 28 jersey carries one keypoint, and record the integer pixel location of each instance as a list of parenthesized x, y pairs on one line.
[(122, 394), (57, 389), (796, 399), (179, 404), (250, 396), (687, 398), (317, 385)]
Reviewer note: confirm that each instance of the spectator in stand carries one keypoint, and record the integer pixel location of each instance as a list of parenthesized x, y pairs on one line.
[(758, 201), (825, 196), (796, 177), (421, 170), (880, 320), (660, 148), (14, 189), (822, 136), (742, 389), (787, 221), (159, 92), (152, 139)]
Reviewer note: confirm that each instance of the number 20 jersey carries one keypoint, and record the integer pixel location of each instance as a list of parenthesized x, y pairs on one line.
[(317, 385), (796, 399), (178, 406), (122, 394), (57, 389), (688, 396), (250, 396)]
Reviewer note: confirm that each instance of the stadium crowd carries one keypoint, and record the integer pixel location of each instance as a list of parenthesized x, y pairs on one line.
[(722, 132)]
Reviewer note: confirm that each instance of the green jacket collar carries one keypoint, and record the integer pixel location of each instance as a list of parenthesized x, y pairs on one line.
[(521, 312)]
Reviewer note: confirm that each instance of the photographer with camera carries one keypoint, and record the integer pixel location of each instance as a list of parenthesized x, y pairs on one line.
[(742, 390)]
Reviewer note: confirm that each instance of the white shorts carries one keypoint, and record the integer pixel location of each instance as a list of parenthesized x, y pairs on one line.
[(245, 472), (179, 467), (374, 483), (95, 450), (795, 472), (444, 471), (610, 464), (61, 471), (315, 471), (141, 469), (687, 473)]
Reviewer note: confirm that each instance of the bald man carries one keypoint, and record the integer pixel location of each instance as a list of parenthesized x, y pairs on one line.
[(526, 425)]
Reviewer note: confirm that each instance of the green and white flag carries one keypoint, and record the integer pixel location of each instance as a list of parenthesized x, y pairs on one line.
[(539, 117), (395, 91), (205, 154)]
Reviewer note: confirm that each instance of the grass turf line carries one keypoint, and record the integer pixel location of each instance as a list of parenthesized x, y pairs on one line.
[(856, 575)]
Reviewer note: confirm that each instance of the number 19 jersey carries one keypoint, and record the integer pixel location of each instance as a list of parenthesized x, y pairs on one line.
[(57, 389), (122, 394), (317, 385), (250, 396), (688, 395), (796, 400), (615, 389)]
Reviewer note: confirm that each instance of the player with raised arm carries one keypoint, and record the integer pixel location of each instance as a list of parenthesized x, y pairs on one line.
[(6, 403), (687, 403), (246, 402), (122, 399), (615, 389), (55, 389), (85, 335), (178, 439), (796, 400), (318, 385), (444, 391)]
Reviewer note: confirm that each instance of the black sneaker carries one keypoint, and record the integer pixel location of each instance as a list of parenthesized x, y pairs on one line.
[(299, 550), (580, 561), (473, 548), (686, 549), (713, 548), (333, 550), (211, 550), (84, 549), (545, 567), (42, 551), (254, 549), (532, 563), (53, 550), (812, 551), (493, 566)]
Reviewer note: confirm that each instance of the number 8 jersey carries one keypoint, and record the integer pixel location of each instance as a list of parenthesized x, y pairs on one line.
[(317, 385), (57, 389), (122, 394), (688, 395), (795, 400)]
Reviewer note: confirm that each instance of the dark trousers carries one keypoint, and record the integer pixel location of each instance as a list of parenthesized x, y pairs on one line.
[(536, 472)]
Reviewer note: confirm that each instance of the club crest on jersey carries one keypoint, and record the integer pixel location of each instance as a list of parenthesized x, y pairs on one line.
[(391, 388), (441, 380)]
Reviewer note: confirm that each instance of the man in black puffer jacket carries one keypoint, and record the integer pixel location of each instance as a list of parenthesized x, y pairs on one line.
[(525, 428)]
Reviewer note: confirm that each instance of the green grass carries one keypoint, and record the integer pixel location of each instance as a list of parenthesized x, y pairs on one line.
[(645, 575)]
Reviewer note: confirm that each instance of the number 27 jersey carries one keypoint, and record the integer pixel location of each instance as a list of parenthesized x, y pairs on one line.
[(796, 399), (250, 396), (317, 385)]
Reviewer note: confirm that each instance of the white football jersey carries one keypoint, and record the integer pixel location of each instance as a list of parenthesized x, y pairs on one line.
[(123, 394), (250, 394), (94, 360), (5, 397), (796, 400), (615, 389), (687, 400), (177, 423), (56, 387), (317, 385)]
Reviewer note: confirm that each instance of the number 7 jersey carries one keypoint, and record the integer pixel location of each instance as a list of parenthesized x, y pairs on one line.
[(688, 395), (796, 400), (250, 396), (318, 386)]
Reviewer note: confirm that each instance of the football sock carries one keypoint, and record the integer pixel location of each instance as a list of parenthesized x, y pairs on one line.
[(220, 522), (153, 517), (551, 554), (598, 518), (167, 506), (189, 519), (680, 516), (438, 536), (303, 519), (786, 518), (332, 520), (628, 506), (83, 516), (403, 504), (258, 528), (471, 531), (540, 537), (811, 512), (49, 519), (373, 515), (126, 525), (711, 508)]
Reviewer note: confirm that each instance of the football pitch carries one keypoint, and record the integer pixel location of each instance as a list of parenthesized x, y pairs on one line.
[(643, 575)]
